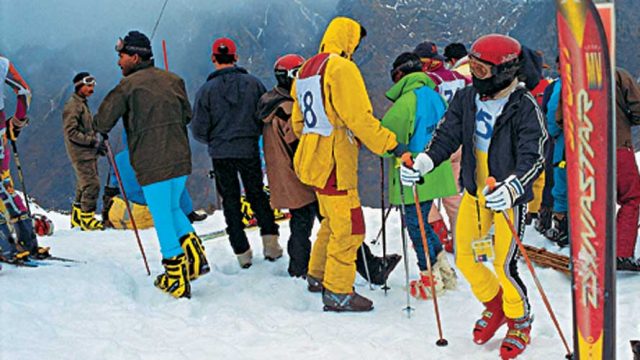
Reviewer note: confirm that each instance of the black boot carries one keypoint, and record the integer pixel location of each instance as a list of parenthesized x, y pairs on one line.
[(195, 216), (345, 302), (627, 264), (382, 270), (559, 232), (543, 222)]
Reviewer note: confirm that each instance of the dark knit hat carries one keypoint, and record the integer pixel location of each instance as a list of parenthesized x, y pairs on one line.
[(135, 43), (455, 51), (79, 76), (405, 63), (428, 50)]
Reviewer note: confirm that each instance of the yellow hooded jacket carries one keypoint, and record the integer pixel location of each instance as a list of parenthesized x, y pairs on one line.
[(349, 111)]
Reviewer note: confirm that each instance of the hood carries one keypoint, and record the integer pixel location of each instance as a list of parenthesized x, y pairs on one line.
[(408, 83), (341, 37), (531, 64), (270, 101), (230, 84)]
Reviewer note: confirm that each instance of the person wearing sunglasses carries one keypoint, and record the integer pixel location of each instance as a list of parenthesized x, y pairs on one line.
[(502, 132), (83, 147), (155, 109)]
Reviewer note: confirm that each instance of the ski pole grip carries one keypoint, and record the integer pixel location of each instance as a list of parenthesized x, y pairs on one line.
[(407, 160), (491, 183)]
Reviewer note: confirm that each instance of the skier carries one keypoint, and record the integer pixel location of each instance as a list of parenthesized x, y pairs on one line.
[(224, 118), (416, 110), (558, 231), (287, 191), (332, 115), (627, 177), (83, 147), (501, 130), (114, 210), (155, 110), (448, 82), (13, 204), (455, 56)]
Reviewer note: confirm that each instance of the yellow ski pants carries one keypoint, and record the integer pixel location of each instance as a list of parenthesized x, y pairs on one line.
[(485, 284)]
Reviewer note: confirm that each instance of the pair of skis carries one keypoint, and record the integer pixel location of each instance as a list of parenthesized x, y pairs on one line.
[(51, 260)]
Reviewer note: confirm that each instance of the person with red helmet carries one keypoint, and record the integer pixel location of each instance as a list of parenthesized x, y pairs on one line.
[(280, 144), (502, 133)]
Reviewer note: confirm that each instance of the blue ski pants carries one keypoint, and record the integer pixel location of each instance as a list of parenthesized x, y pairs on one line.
[(171, 223), (413, 227)]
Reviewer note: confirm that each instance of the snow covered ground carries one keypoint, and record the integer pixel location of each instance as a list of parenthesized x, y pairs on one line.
[(109, 309)]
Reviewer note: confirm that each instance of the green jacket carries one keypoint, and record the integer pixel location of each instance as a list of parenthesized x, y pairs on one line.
[(155, 109), (400, 119), (77, 125)]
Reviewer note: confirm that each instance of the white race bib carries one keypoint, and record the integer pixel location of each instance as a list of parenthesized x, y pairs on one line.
[(4, 70), (448, 89), (309, 94)]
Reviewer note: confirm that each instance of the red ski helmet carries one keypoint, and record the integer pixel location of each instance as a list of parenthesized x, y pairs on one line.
[(42, 225), (496, 49), (286, 68)]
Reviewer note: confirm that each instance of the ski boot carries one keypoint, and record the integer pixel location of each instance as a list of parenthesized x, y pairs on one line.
[(559, 233), (440, 228), (381, 271), (314, 285), (75, 216), (244, 259), (27, 239), (175, 279), (517, 337), (345, 302), (627, 264), (421, 289), (16, 258), (492, 319), (88, 222), (449, 277), (270, 248), (195, 216), (543, 222), (196, 257)]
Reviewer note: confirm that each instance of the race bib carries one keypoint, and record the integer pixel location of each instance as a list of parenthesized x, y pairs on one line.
[(448, 89), (310, 101), (4, 69)]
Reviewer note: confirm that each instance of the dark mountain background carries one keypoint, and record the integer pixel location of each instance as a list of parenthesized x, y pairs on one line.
[(83, 39)]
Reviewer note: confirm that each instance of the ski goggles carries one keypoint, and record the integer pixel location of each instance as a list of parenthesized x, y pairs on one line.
[(291, 73), (87, 80), (480, 69), (122, 46)]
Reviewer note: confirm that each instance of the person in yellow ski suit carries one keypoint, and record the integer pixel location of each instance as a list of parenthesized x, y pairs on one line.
[(332, 115)]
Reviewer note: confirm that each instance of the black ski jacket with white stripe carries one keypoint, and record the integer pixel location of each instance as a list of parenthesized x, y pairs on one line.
[(518, 144)]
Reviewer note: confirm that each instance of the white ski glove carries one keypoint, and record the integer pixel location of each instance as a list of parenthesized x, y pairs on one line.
[(504, 195), (422, 164)]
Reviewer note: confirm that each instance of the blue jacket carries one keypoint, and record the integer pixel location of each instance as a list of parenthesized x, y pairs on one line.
[(555, 131), (224, 114), (518, 143)]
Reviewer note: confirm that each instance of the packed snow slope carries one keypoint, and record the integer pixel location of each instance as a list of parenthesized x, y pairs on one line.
[(107, 308)]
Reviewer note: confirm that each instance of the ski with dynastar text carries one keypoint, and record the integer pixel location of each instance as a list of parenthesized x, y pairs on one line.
[(589, 125)]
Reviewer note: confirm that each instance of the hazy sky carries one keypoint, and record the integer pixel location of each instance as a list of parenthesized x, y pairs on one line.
[(55, 22)]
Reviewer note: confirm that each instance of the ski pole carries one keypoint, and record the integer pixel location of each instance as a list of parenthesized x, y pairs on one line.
[(408, 161), (386, 215), (16, 159), (383, 229), (112, 160), (366, 267), (404, 248), (491, 183)]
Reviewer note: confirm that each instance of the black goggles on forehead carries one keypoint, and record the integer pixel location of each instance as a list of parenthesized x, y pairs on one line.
[(87, 80), (122, 46)]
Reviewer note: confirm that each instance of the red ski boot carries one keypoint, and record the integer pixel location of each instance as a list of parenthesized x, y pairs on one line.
[(492, 319), (440, 228), (517, 337)]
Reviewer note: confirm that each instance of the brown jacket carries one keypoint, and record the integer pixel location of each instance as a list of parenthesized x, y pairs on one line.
[(77, 126), (274, 108), (627, 107), (155, 109)]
